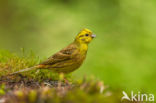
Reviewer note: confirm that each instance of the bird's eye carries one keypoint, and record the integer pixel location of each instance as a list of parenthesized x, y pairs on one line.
[(87, 35)]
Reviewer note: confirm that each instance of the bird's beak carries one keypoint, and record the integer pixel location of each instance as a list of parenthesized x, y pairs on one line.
[(93, 35)]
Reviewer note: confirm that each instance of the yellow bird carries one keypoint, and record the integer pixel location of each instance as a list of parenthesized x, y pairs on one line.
[(69, 58)]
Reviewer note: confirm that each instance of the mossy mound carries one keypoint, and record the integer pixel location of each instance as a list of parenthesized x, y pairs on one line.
[(43, 86)]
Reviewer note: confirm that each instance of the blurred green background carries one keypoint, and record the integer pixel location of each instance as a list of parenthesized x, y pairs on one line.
[(123, 54)]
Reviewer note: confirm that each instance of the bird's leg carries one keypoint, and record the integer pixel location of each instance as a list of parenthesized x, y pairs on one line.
[(66, 81), (62, 78)]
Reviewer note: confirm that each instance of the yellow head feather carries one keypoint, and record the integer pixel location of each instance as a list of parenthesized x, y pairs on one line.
[(84, 36)]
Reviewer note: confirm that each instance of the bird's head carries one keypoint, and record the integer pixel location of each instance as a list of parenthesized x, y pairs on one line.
[(85, 36)]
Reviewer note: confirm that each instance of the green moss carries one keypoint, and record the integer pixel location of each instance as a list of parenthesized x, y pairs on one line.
[(10, 63), (42, 86), (2, 89), (32, 96), (63, 95)]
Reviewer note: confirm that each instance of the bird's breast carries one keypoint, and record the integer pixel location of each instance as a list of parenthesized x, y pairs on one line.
[(83, 49)]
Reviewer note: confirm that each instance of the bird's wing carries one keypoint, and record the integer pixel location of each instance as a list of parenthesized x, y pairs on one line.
[(63, 55)]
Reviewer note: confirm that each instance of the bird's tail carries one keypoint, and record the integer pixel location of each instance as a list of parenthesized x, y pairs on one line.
[(24, 70)]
